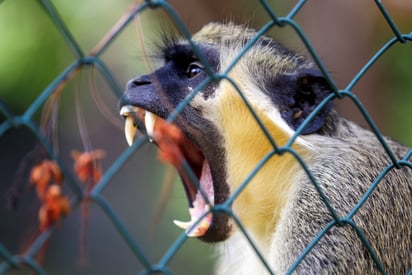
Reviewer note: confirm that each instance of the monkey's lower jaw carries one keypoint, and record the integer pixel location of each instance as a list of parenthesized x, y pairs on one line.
[(178, 150)]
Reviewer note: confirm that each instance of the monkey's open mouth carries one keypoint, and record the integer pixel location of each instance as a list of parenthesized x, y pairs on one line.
[(186, 157)]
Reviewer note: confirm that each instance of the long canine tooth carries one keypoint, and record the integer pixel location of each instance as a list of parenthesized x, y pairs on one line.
[(149, 121), (183, 225), (200, 229), (129, 130)]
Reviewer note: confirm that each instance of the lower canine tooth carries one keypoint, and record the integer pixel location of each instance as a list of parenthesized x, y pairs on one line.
[(129, 130), (200, 229), (149, 121), (197, 230), (183, 225)]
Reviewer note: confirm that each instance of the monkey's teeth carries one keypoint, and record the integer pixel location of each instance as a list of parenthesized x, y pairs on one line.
[(129, 125), (129, 130), (130, 113), (183, 225), (193, 228), (149, 121)]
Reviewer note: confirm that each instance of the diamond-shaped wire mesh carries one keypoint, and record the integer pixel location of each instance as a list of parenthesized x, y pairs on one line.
[(96, 195)]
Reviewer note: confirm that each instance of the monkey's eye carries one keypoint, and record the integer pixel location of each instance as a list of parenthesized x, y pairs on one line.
[(194, 69)]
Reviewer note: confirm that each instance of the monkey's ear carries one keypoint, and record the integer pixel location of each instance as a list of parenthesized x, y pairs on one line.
[(298, 94)]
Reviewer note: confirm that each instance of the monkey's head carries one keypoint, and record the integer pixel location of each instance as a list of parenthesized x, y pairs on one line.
[(218, 136)]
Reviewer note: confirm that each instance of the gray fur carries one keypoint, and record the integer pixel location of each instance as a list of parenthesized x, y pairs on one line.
[(345, 167), (347, 159)]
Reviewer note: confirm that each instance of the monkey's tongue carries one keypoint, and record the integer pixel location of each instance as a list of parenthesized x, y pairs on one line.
[(199, 222), (175, 147)]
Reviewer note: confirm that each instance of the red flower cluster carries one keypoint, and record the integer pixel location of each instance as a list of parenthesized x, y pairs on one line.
[(47, 179)]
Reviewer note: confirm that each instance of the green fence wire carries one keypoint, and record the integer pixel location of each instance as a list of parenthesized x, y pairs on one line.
[(27, 120)]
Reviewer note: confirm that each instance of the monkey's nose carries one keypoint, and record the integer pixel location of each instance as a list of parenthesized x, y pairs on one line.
[(139, 81)]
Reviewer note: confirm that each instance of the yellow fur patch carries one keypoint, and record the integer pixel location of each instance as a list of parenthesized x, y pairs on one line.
[(260, 203)]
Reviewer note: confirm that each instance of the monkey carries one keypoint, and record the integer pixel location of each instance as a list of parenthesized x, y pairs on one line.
[(240, 133)]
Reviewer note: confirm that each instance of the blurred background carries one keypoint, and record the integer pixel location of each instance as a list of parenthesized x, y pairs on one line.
[(33, 53)]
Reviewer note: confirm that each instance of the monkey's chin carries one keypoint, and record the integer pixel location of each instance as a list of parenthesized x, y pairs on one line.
[(193, 167)]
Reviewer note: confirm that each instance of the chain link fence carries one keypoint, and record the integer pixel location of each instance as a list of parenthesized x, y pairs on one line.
[(91, 194)]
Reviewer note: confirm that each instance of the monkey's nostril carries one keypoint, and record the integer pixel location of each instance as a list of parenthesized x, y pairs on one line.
[(139, 81)]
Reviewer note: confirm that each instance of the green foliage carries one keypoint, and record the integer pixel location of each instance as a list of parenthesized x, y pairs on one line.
[(31, 52)]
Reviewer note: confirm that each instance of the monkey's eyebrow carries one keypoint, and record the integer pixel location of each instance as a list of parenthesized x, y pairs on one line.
[(179, 52)]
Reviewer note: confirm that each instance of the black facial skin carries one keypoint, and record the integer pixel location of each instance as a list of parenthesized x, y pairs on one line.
[(163, 90), (297, 94)]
